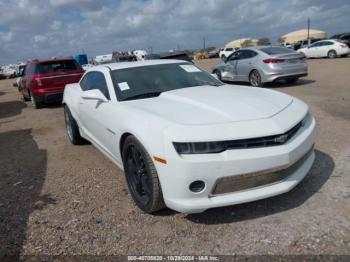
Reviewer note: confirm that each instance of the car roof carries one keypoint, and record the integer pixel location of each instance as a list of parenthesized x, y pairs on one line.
[(37, 61), (259, 47), (122, 65)]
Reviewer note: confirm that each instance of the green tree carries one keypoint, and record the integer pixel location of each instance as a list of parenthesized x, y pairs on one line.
[(264, 41)]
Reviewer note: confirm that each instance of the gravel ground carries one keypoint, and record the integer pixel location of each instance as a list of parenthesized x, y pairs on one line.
[(56, 198)]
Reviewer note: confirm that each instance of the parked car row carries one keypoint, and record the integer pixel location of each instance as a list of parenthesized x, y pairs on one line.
[(174, 126)]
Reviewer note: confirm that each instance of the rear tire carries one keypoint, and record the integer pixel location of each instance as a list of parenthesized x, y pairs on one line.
[(223, 57), (332, 54), (255, 78), (25, 98), (72, 128), (141, 176), (35, 103)]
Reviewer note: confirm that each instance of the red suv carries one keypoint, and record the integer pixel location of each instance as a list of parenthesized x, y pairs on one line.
[(44, 81)]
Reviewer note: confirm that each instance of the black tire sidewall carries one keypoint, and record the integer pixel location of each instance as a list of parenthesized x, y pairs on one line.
[(149, 208), (35, 103), (76, 139)]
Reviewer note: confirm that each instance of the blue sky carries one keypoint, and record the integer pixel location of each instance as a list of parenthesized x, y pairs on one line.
[(44, 28)]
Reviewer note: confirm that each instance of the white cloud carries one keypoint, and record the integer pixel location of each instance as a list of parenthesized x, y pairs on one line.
[(6, 36), (65, 27), (90, 4), (40, 38), (56, 25)]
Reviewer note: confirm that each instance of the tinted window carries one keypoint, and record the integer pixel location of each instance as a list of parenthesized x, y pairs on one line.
[(325, 43), (316, 44), (275, 50), (245, 54), (142, 80), (29, 69), (95, 80), (56, 66), (234, 56), (229, 49)]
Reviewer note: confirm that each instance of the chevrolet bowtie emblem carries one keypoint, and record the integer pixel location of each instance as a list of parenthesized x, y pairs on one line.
[(281, 139)]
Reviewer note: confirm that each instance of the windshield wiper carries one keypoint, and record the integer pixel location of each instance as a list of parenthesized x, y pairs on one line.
[(141, 96)]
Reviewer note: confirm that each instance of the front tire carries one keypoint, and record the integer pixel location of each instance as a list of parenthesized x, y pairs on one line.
[(141, 176), (255, 78), (332, 54), (218, 74), (72, 128)]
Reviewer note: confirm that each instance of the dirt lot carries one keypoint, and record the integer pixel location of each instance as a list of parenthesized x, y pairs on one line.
[(56, 198)]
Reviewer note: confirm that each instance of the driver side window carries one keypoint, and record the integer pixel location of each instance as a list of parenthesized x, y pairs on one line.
[(234, 56), (95, 80)]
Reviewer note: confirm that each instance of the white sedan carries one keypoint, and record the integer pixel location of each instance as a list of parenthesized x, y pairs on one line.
[(325, 48), (187, 141)]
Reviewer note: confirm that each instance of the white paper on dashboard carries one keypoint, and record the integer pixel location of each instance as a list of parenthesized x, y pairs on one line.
[(123, 86), (190, 68)]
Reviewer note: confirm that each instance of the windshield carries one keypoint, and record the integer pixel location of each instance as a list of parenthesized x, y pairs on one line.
[(56, 66), (141, 82), (275, 50)]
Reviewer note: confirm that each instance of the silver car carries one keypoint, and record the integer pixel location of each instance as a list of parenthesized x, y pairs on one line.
[(262, 64)]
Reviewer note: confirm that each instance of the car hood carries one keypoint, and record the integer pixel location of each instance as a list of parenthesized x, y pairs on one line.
[(205, 105)]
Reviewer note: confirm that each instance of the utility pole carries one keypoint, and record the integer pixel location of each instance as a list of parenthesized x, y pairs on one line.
[(203, 43), (308, 31)]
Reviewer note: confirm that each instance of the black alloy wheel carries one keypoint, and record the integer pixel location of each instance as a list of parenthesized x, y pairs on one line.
[(141, 176)]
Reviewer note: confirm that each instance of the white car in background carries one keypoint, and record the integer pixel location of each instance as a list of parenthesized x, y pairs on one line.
[(325, 48), (87, 66), (140, 54), (187, 141), (226, 52)]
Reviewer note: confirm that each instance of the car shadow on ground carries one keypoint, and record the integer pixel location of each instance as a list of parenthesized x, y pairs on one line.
[(2, 93), (22, 175), (276, 84), (312, 183), (11, 108)]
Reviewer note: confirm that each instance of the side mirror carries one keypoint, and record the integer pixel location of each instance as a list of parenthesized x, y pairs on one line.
[(94, 94)]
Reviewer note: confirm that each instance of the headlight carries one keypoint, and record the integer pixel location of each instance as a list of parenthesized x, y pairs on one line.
[(199, 147)]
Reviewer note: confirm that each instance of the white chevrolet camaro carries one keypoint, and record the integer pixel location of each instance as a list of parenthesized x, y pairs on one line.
[(187, 141)]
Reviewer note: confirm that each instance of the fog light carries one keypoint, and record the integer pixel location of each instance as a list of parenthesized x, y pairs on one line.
[(197, 186)]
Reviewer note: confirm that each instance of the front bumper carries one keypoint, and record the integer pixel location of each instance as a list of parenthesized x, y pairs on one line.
[(181, 171)]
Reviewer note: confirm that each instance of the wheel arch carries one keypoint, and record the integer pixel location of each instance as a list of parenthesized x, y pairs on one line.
[(122, 141)]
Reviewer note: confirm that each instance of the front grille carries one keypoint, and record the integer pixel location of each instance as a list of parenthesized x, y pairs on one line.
[(274, 140), (257, 179)]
